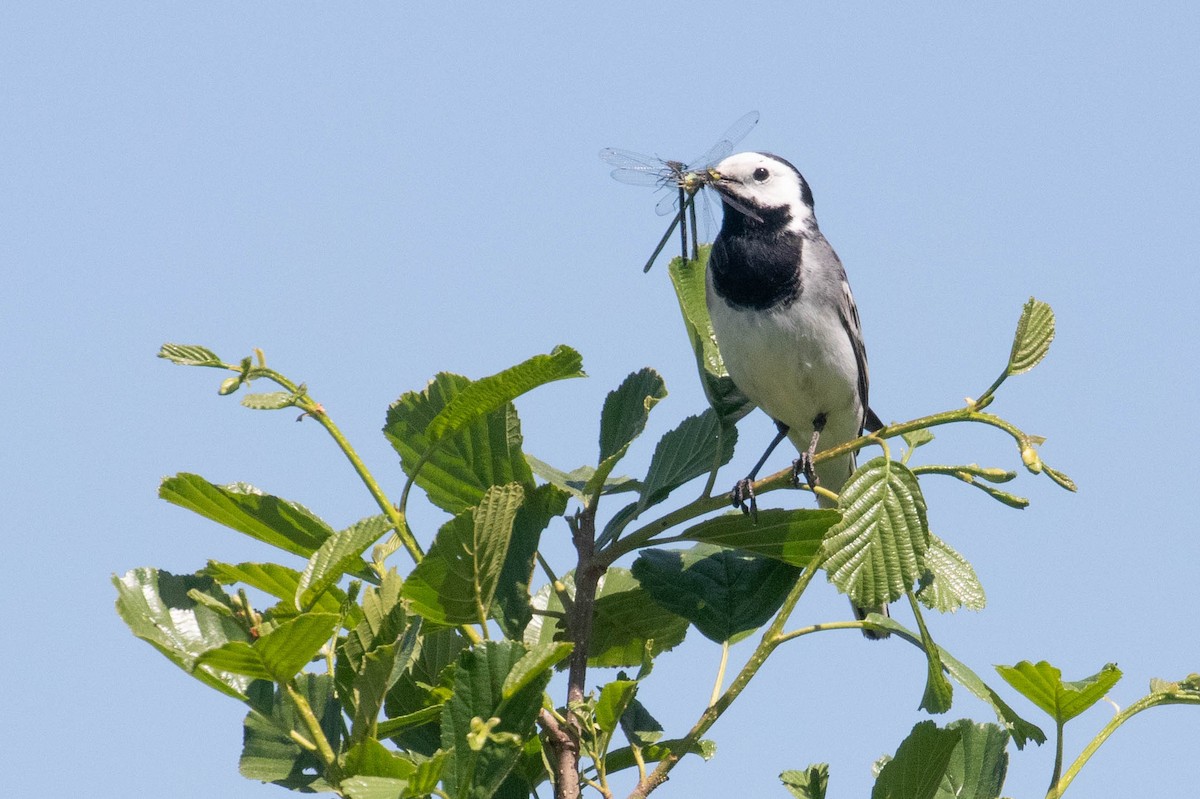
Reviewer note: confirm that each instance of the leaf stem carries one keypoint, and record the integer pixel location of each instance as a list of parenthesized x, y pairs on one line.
[(822, 627), (323, 749), (393, 513), (314, 409), (720, 681), (985, 398), (1054, 792), (783, 478), (1059, 786), (770, 640)]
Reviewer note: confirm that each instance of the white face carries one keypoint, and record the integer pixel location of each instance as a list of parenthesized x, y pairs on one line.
[(760, 181)]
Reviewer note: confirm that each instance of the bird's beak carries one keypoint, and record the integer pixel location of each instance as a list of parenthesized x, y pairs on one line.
[(719, 182), (724, 187)]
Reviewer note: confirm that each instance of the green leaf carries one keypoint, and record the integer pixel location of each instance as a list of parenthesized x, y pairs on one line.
[(878, 549), (546, 625), (286, 525), (1060, 478), (620, 759), (1035, 331), (626, 618), (808, 784), (340, 553), (1021, 730), (375, 654), (280, 582), (295, 643), (792, 536), (917, 438), (1043, 685), (1009, 499), (429, 773), (371, 758), (268, 752), (1187, 689), (575, 482), (390, 728), (478, 694), (378, 671), (725, 593), (270, 401), (427, 682), (456, 581), (626, 410), (156, 606), (949, 582), (968, 472), (939, 693), (373, 787), (528, 773), (237, 657), (489, 394), (189, 355), (456, 473), (613, 701), (383, 621), (917, 769), (978, 764), (512, 609), (533, 664), (623, 419), (280, 654), (971, 474), (696, 447), (641, 728), (688, 279)]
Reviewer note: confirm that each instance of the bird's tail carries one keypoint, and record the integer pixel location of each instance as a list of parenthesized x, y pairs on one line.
[(861, 613)]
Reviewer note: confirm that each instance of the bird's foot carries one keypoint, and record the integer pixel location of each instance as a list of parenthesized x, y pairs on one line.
[(742, 497), (804, 466)]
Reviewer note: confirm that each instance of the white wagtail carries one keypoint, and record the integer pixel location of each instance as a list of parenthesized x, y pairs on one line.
[(785, 320)]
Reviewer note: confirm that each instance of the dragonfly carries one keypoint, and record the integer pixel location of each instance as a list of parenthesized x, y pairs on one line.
[(682, 181)]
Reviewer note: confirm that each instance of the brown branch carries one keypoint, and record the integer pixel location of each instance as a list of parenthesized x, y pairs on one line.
[(579, 631), (565, 751)]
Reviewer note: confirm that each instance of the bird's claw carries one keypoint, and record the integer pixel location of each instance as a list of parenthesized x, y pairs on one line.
[(804, 466), (742, 497)]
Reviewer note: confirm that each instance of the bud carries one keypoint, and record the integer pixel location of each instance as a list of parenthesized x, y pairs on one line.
[(1031, 460), (480, 731), (230, 385)]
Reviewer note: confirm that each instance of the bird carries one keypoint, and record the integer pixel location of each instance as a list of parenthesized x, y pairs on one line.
[(785, 322)]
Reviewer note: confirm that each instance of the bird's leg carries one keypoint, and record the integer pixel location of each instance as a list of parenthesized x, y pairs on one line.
[(804, 464), (744, 490)]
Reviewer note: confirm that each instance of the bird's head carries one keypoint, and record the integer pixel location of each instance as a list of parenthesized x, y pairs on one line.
[(763, 189)]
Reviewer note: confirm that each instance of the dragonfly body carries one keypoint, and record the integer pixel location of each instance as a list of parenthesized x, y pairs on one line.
[(682, 180)]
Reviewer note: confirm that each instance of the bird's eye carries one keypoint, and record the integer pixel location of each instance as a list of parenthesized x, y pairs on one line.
[(761, 174)]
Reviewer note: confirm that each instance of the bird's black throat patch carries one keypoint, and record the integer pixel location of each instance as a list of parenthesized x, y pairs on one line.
[(757, 269)]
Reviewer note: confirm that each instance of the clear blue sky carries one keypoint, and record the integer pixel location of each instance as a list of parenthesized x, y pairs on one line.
[(373, 193)]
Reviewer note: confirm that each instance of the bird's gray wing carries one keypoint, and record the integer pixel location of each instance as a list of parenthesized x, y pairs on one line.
[(848, 312)]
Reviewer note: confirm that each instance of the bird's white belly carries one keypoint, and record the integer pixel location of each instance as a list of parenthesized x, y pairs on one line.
[(795, 363)]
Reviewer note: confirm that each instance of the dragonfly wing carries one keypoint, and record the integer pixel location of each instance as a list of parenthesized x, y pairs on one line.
[(668, 203), (635, 169), (628, 159), (637, 177), (707, 220), (724, 146)]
